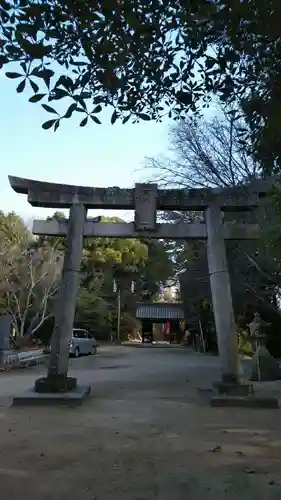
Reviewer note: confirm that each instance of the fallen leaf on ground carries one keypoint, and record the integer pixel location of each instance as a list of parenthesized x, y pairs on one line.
[(215, 449), (250, 471)]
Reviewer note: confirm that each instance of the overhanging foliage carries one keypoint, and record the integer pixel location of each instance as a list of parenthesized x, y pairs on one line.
[(148, 59)]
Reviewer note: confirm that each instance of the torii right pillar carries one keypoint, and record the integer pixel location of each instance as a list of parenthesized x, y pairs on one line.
[(221, 297)]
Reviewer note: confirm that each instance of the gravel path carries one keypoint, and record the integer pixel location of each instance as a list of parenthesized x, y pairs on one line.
[(143, 434)]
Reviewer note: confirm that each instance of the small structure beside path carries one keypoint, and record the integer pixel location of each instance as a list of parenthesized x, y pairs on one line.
[(24, 359)]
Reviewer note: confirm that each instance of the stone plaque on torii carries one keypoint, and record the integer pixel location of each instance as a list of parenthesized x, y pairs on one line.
[(145, 200)]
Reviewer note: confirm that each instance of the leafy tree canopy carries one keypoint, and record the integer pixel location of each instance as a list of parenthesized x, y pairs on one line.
[(30, 271), (13, 231), (148, 58)]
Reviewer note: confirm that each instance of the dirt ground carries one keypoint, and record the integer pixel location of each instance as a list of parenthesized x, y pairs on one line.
[(144, 433)]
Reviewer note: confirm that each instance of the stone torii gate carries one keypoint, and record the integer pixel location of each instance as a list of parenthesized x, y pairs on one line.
[(145, 200)]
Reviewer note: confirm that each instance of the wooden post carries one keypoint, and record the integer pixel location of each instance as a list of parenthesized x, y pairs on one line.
[(66, 300), (221, 296)]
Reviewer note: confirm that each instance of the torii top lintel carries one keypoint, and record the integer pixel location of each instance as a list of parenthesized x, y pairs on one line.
[(52, 195)]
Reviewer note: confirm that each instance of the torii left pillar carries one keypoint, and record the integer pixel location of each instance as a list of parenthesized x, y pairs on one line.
[(221, 297), (57, 379)]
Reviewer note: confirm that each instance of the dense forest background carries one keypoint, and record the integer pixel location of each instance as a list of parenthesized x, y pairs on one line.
[(30, 275)]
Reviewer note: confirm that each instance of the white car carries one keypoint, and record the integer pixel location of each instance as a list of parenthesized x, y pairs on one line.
[(82, 343)]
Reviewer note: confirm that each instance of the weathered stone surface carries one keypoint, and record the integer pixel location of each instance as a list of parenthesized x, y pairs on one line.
[(245, 402), (233, 389), (71, 398), (128, 230), (145, 207), (221, 294), (245, 367), (52, 195), (55, 384), (67, 295), (264, 366)]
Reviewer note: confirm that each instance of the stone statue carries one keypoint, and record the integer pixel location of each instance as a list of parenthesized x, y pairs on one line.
[(258, 335), (264, 366)]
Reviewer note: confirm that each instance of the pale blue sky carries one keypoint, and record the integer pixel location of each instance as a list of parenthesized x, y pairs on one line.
[(96, 155)]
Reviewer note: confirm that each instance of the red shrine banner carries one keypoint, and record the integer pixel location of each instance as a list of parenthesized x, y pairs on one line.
[(167, 328)]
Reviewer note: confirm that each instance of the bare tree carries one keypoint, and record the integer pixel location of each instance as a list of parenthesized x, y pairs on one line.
[(205, 153), (208, 153), (29, 280)]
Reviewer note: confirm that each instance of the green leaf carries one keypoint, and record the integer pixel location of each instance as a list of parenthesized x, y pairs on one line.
[(85, 95), (48, 124), (29, 29), (3, 60), (24, 67), (210, 62), (70, 110), (66, 82), (34, 86), (98, 100), (84, 122), (81, 101), (143, 116), (184, 97), (35, 50), (13, 75), (126, 119), (125, 108), (114, 117), (57, 124), (96, 120), (49, 109), (97, 109), (21, 86), (36, 97), (57, 94), (45, 74), (79, 63)]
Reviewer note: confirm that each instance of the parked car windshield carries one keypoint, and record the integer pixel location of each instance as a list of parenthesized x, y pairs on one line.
[(80, 334)]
